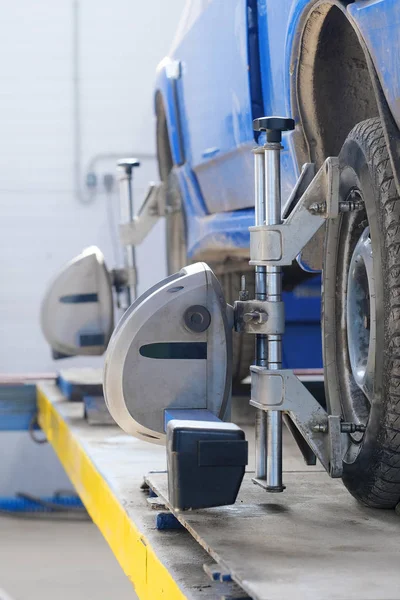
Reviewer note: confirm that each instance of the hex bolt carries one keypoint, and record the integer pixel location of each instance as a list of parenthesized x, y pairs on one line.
[(320, 428), (243, 294), (344, 427), (261, 317), (247, 317), (352, 427), (317, 208), (351, 205)]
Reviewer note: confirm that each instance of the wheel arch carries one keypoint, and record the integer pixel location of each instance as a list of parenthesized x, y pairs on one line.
[(335, 86), (167, 112), (163, 145)]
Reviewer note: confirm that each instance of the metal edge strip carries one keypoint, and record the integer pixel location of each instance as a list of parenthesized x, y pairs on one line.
[(139, 561)]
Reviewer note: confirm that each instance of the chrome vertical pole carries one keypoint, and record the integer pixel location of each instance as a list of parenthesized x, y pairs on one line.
[(260, 294), (274, 294), (268, 286), (125, 170)]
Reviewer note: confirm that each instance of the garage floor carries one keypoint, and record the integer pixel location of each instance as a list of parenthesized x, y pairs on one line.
[(49, 560)]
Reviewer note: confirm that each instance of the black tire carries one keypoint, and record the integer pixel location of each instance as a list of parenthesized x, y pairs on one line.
[(372, 462)]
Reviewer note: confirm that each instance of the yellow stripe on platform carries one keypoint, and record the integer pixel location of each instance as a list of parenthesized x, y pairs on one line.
[(138, 560)]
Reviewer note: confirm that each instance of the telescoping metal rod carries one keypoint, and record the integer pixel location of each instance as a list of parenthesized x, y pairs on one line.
[(268, 286), (273, 294), (125, 171), (260, 294)]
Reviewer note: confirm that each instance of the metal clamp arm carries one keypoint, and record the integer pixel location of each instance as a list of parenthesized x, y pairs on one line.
[(280, 244), (281, 390), (134, 232)]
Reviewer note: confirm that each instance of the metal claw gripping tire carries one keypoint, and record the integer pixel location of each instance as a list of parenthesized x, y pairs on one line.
[(361, 317)]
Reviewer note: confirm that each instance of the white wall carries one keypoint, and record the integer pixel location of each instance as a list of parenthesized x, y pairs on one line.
[(42, 221)]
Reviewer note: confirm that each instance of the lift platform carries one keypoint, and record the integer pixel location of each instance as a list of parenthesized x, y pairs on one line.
[(312, 542), (167, 380), (107, 469)]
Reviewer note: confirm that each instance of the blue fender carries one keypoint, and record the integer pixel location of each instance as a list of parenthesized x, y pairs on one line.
[(168, 86), (378, 24)]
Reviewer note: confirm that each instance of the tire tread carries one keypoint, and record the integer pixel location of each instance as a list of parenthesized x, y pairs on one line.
[(383, 485)]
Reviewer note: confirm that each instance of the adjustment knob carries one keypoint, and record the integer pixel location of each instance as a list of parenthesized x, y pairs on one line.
[(127, 164), (273, 126)]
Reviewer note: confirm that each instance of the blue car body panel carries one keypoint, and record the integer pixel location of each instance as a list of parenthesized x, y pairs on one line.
[(238, 60), (301, 345), (210, 107), (379, 24), (215, 166)]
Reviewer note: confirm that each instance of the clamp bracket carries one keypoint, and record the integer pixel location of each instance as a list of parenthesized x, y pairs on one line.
[(280, 244), (282, 390), (259, 317), (134, 232)]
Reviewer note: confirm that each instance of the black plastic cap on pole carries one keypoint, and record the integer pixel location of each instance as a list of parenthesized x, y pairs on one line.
[(128, 164), (274, 127)]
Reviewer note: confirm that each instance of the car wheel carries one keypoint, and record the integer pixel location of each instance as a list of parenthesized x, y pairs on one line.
[(243, 343), (361, 310)]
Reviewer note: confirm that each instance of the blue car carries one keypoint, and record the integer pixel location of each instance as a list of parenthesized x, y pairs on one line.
[(334, 67)]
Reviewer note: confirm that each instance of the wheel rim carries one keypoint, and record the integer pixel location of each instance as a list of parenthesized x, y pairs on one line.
[(361, 315)]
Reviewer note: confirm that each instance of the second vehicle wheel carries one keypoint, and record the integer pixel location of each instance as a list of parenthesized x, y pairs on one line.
[(243, 344), (361, 310)]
